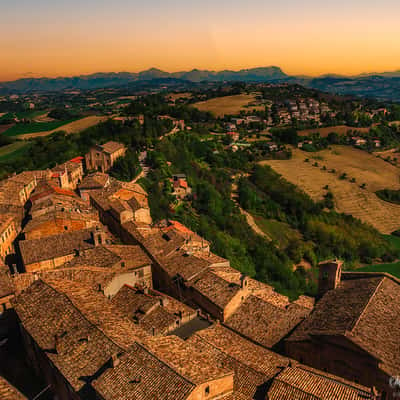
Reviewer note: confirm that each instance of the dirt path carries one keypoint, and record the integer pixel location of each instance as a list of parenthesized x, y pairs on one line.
[(249, 218)]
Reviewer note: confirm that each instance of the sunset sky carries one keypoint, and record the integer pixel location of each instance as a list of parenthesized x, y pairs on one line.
[(70, 37)]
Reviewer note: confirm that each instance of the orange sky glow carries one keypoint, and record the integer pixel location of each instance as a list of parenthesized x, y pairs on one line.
[(58, 38)]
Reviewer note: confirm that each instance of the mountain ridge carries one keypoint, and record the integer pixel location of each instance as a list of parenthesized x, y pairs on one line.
[(383, 85)]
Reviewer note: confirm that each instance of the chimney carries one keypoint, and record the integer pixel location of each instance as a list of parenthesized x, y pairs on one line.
[(115, 360), (244, 280), (98, 237), (14, 269), (330, 273)]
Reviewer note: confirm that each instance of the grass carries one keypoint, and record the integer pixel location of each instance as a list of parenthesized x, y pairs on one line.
[(13, 151), (349, 197), (278, 231), (35, 127), (393, 268), (231, 105)]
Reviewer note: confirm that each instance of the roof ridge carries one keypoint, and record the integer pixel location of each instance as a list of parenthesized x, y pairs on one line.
[(96, 326), (366, 305), (331, 377), (227, 354), (166, 364)]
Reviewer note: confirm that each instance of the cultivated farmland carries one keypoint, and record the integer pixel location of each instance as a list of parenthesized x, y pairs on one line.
[(349, 197), (339, 129), (71, 127), (231, 105)]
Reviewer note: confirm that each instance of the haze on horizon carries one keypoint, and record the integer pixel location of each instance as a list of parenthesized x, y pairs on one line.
[(63, 38)]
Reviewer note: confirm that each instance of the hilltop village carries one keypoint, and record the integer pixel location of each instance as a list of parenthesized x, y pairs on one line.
[(105, 304)]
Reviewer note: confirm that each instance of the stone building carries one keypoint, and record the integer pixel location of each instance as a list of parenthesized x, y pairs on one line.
[(355, 323), (69, 174), (58, 222), (91, 182), (52, 251), (71, 334), (105, 268), (264, 375), (101, 157), (8, 233), (120, 203)]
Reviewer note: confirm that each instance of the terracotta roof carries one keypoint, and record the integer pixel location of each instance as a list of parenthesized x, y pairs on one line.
[(49, 247), (93, 277), (9, 392), (96, 180), (185, 265), (56, 217), (154, 311), (247, 381), (5, 221), (197, 365), (100, 312), (358, 309), (303, 383), (76, 346), (111, 147), (142, 376), (216, 289), (264, 322), (98, 256), (131, 254), (256, 357)]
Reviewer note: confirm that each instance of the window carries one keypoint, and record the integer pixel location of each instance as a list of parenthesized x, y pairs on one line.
[(207, 390)]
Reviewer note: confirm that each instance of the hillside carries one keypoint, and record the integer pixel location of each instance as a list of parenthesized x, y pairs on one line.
[(348, 196)]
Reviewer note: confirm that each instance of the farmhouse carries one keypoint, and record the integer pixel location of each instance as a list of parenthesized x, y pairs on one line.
[(102, 157), (180, 186), (233, 135), (356, 322)]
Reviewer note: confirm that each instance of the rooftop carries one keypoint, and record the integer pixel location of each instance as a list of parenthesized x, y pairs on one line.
[(355, 310), (9, 392), (300, 382), (142, 376), (50, 247)]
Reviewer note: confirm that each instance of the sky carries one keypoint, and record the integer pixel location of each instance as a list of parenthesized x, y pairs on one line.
[(72, 37)]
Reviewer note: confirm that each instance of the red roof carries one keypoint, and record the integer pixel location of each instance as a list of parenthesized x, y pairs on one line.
[(231, 133), (183, 183), (77, 159), (178, 226)]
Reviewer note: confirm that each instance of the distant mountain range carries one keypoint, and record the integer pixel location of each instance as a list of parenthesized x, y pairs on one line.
[(384, 85)]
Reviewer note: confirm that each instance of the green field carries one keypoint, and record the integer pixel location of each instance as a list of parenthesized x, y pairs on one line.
[(393, 268), (35, 127), (278, 231), (12, 151)]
